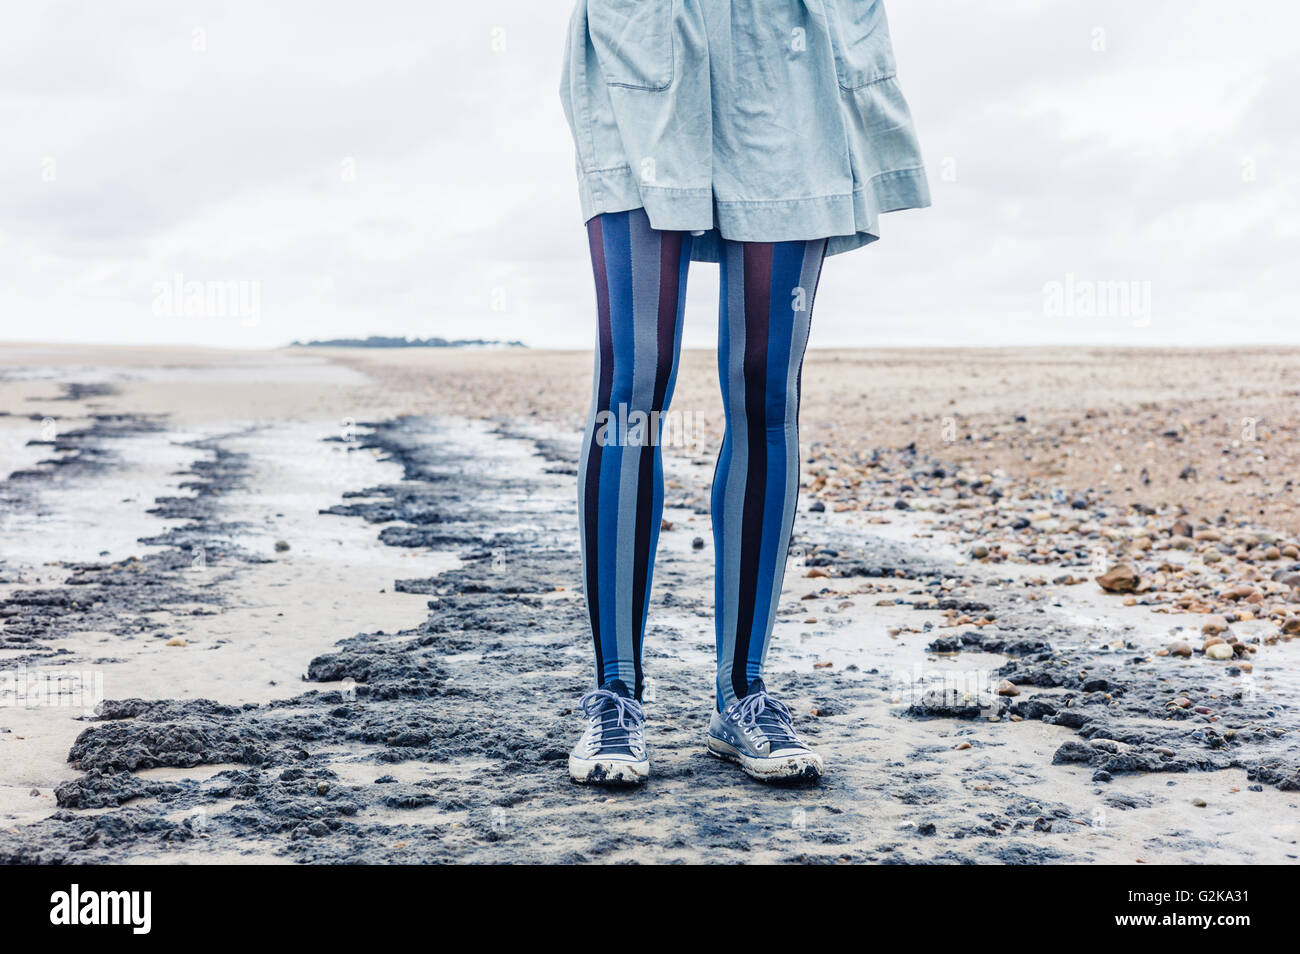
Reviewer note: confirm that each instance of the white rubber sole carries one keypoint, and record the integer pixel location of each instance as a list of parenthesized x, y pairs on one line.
[(806, 766), (608, 771)]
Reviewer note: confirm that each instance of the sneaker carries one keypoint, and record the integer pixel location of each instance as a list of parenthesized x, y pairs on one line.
[(612, 750), (757, 733)]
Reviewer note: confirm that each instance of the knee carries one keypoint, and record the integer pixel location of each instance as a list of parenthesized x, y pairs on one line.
[(776, 401), (641, 390)]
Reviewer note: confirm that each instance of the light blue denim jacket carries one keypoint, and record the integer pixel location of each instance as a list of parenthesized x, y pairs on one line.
[(753, 120)]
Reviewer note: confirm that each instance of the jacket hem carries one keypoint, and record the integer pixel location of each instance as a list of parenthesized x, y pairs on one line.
[(847, 220)]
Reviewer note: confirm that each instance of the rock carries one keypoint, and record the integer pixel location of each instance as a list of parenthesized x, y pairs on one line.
[(817, 507), (697, 543), (281, 546), (1198, 802), (1007, 688), (1179, 649), (665, 524), (979, 551), (175, 641), (1214, 625), (1291, 626), (1182, 528), (1219, 651), (1119, 579), (952, 703)]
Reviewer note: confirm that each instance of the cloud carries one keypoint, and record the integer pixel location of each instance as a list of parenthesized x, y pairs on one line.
[(405, 168)]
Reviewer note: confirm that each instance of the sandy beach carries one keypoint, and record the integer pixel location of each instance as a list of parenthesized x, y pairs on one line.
[(324, 605)]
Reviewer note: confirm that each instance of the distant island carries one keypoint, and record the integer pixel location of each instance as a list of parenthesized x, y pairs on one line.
[(378, 341)]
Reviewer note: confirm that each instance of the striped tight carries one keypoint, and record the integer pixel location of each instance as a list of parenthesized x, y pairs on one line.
[(764, 313)]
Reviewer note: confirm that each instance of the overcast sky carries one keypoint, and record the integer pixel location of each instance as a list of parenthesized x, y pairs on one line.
[(403, 167)]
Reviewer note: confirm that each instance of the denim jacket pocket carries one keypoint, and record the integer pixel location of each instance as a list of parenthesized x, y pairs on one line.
[(633, 40), (860, 41)]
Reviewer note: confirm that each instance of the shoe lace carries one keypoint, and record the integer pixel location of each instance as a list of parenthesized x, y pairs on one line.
[(628, 714), (770, 716)]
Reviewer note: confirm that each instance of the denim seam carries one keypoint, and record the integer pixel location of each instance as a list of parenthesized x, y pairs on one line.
[(828, 197), (890, 74)]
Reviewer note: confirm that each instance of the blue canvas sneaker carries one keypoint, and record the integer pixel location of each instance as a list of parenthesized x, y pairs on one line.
[(612, 750), (757, 733)]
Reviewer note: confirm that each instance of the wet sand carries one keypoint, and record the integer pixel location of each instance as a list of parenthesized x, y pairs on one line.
[(435, 611)]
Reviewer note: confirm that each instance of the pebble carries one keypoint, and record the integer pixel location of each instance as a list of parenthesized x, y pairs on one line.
[(1214, 625), (1119, 579), (1219, 651)]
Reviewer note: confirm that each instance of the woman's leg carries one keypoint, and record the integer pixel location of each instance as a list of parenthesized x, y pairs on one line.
[(764, 316), (640, 292)]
